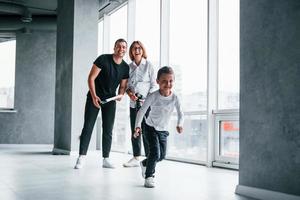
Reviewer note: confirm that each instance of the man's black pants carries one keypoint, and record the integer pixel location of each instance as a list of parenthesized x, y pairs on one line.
[(108, 112)]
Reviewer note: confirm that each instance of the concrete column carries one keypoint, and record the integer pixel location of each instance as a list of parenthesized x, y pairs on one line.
[(269, 102), (77, 36)]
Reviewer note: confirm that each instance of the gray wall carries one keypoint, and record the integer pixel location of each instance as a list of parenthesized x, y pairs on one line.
[(33, 123), (270, 95)]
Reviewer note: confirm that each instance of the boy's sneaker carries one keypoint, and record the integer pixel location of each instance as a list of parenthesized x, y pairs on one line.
[(149, 182), (107, 164), (143, 169), (133, 162), (80, 162)]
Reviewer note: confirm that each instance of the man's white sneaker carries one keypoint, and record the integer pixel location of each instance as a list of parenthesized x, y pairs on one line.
[(149, 182), (80, 162), (107, 164), (143, 168), (133, 162)]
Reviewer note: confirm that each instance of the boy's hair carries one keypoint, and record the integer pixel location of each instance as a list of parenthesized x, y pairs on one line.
[(142, 46), (119, 41), (164, 70)]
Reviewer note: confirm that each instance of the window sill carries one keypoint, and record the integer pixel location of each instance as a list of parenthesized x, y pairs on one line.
[(8, 110)]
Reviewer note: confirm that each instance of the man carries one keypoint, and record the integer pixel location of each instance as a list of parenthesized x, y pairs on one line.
[(108, 72)]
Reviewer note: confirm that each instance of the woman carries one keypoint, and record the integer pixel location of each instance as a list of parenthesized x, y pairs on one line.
[(141, 82)]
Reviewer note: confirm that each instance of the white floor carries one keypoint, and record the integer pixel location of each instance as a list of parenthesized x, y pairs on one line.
[(30, 172)]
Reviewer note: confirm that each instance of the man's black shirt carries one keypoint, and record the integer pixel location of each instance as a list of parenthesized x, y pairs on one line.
[(110, 75)]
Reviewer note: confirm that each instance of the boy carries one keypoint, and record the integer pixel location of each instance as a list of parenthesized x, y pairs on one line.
[(161, 103)]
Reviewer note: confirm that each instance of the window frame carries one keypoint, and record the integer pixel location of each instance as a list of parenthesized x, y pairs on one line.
[(9, 38), (213, 113)]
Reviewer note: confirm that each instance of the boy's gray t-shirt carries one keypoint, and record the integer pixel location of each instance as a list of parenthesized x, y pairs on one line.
[(161, 109)]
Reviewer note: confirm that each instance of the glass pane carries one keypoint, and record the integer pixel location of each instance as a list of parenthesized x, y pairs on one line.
[(148, 27), (188, 57), (228, 94), (7, 73), (192, 143), (118, 26), (100, 37), (229, 138), (121, 131)]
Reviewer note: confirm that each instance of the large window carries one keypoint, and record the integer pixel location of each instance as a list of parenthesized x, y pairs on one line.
[(174, 32), (118, 26), (147, 27), (191, 145), (121, 132), (7, 74), (228, 55), (188, 57), (100, 37), (227, 138)]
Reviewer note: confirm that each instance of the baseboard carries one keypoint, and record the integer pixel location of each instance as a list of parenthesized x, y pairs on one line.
[(263, 194), (57, 151), (226, 165)]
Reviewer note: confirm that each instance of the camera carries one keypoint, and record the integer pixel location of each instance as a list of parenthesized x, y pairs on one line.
[(139, 101)]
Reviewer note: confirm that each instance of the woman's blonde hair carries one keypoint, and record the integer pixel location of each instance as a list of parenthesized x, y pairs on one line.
[(142, 46)]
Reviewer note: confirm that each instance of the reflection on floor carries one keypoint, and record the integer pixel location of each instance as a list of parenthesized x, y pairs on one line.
[(30, 172)]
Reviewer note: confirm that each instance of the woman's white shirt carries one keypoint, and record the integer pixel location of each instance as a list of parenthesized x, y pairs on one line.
[(142, 79)]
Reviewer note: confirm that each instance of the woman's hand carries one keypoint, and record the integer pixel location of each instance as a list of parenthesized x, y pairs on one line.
[(133, 97)]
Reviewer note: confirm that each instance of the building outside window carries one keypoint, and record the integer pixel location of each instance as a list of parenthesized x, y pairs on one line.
[(118, 26), (147, 28), (229, 138), (228, 80), (228, 55), (188, 57)]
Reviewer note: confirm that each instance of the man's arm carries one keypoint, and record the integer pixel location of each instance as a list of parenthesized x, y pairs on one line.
[(122, 88), (91, 83)]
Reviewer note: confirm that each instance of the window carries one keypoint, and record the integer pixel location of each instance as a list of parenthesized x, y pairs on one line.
[(228, 55), (7, 74), (100, 37), (148, 26), (184, 43), (121, 132), (227, 137), (191, 145), (188, 57), (118, 26)]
